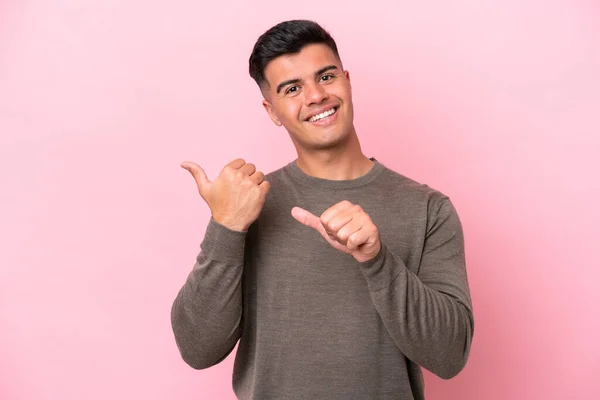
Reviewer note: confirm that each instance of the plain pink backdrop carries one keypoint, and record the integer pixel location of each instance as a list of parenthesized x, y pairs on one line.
[(495, 103)]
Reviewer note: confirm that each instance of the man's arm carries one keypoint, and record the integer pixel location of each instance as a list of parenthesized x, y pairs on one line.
[(206, 315), (428, 314)]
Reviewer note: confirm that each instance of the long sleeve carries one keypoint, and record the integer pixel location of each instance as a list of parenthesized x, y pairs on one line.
[(206, 315), (428, 314)]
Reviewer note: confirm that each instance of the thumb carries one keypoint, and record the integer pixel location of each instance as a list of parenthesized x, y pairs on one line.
[(199, 176), (306, 217)]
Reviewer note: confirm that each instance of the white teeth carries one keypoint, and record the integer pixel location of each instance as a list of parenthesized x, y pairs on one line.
[(324, 114)]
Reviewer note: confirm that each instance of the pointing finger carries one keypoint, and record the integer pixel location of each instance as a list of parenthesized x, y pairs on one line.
[(199, 175), (306, 218)]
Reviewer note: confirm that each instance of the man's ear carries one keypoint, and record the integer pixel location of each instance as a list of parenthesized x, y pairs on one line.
[(269, 108), (347, 74)]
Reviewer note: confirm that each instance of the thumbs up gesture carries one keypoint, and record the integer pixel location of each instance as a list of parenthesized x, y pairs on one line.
[(236, 197), (346, 227)]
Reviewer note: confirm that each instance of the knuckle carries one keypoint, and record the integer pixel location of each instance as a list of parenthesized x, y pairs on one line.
[(228, 170), (238, 174), (351, 242)]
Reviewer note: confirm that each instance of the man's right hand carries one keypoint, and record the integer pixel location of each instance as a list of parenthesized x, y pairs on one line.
[(236, 197)]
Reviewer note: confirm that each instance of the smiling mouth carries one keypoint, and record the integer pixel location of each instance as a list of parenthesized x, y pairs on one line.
[(323, 115)]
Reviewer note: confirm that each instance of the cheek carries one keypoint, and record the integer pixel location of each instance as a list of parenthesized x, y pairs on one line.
[(346, 96), (344, 92), (291, 113)]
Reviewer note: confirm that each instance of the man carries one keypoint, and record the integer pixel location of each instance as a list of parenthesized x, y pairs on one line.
[(340, 277)]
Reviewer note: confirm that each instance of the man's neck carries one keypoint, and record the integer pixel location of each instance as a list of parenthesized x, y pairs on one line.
[(332, 166)]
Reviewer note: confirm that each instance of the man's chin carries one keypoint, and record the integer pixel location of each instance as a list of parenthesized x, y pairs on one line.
[(318, 140), (328, 143)]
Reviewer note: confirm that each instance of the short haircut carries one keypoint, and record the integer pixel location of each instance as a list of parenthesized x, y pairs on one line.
[(288, 37)]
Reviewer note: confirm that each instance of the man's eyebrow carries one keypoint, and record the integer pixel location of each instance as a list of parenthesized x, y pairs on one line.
[(325, 69), (296, 80), (285, 83)]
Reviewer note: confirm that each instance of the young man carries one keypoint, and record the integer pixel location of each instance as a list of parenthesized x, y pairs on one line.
[(340, 277)]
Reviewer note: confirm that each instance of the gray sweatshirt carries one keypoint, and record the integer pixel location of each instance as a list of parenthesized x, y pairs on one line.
[(314, 323)]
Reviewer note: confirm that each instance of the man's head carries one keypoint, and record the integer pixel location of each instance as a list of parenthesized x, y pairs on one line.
[(305, 88)]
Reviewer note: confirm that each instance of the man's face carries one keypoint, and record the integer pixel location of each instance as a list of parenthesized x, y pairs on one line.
[(310, 95)]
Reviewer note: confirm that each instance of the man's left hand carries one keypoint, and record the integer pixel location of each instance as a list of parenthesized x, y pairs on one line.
[(346, 227)]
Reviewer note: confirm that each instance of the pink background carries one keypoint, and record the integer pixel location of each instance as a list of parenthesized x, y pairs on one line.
[(496, 103)]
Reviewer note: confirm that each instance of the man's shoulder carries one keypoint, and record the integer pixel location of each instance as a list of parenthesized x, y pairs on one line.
[(407, 186), (416, 198), (276, 173)]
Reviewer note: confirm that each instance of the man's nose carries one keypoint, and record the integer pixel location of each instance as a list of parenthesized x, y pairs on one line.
[(314, 94)]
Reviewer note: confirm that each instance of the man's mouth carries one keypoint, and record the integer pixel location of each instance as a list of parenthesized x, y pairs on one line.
[(323, 115)]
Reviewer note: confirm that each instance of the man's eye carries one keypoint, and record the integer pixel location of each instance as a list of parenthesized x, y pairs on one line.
[(327, 77), (292, 89)]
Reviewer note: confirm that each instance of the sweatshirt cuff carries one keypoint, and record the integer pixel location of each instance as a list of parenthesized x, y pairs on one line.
[(223, 244), (382, 270)]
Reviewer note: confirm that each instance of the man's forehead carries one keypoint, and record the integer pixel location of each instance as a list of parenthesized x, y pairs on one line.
[(300, 65)]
